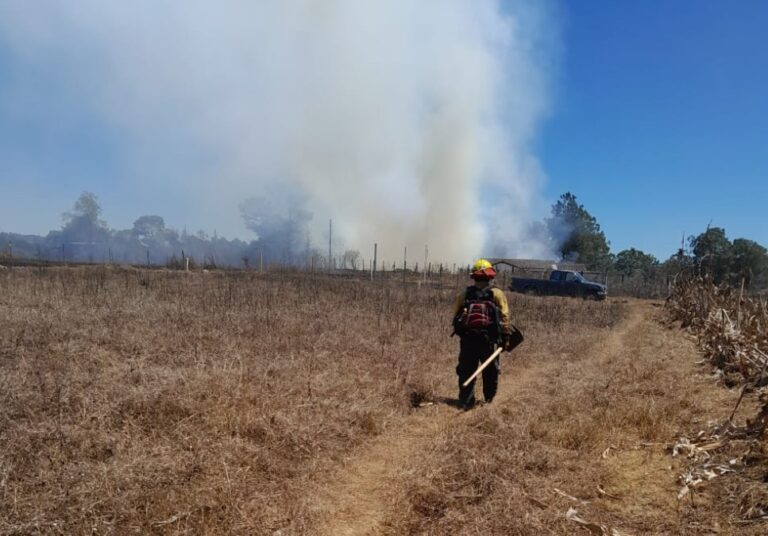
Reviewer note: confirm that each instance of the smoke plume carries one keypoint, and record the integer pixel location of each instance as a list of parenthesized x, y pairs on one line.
[(409, 122)]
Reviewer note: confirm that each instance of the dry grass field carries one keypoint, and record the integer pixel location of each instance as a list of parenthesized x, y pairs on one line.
[(158, 402)]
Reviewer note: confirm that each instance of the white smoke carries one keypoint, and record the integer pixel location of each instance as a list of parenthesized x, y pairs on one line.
[(409, 122)]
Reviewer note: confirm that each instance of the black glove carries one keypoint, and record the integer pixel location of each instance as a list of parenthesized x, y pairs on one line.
[(511, 339)]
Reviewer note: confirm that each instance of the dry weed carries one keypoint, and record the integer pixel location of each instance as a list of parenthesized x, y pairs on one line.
[(732, 331), (136, 401)]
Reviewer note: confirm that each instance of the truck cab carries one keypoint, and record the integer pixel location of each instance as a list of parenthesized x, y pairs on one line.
[(561, 283), (571, 283)]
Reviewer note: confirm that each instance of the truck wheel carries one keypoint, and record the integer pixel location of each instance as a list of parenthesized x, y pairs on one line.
[(530, 291)]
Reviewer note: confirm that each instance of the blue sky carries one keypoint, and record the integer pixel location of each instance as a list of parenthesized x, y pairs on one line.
[(660, 119), (658, 123)]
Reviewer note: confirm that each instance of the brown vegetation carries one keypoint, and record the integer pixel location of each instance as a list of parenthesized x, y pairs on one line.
[(586, 427), (135, 401), (732, 331), (731, 326)]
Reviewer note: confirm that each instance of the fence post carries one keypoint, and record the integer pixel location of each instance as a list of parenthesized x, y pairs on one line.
[(405, 261), (375, 258)]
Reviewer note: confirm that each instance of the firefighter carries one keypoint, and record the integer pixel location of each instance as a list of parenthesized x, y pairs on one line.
[(481, 319)]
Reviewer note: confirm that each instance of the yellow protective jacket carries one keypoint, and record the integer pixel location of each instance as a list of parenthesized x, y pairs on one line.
[(501, 303)]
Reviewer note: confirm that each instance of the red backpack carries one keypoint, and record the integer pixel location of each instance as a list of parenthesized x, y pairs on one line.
[(479, 314)]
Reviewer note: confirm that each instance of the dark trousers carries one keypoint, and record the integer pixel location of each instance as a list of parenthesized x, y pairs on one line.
[(473, 351)]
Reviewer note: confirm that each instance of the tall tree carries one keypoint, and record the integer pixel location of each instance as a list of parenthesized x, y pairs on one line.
[(630, 261), (282, 231), (83, 224), (712, 253), (148, 227), (578, 233), (86, 207), (749, 261)]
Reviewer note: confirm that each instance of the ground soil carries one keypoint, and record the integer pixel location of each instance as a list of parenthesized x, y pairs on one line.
[(161, 402), (368, 492)]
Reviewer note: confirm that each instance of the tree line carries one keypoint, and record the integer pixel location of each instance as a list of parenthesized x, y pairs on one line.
[(281, 231), (282, 237), (85, 237), (577, 236)]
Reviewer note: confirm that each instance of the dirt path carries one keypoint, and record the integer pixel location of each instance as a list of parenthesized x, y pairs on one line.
[(361, 495), (360, 498)]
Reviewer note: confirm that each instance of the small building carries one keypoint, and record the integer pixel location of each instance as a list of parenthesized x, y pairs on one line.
[(534, 268)]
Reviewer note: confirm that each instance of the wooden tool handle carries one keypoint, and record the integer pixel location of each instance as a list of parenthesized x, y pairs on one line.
[(487, 362)]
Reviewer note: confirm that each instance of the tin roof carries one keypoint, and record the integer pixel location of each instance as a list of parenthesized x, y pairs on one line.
[(536, 264)]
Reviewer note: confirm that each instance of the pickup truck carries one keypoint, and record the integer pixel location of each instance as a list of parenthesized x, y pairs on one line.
[(560, 283)]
